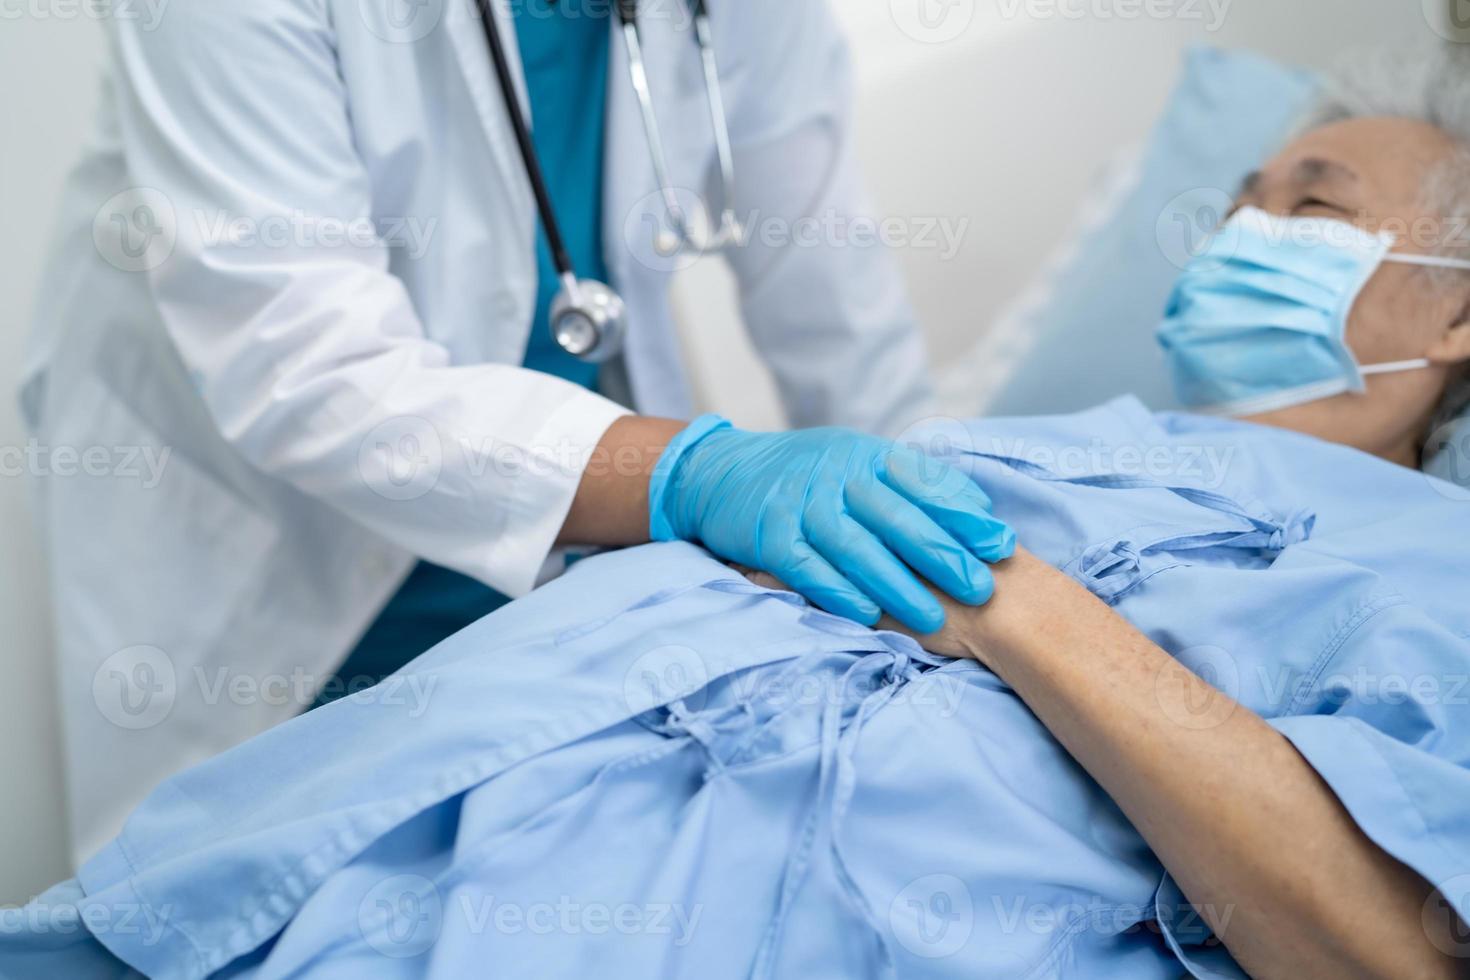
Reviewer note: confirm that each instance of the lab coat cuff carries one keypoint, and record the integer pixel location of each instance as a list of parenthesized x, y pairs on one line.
[(660, 528), (580, 423)]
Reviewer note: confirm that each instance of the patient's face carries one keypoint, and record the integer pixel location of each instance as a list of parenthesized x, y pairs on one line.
[(1371, 172)]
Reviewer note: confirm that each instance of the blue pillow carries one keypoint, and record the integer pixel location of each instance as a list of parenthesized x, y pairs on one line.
[(1094, 334)]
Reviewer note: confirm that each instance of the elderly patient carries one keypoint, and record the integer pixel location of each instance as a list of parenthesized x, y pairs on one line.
[(1209, 724)]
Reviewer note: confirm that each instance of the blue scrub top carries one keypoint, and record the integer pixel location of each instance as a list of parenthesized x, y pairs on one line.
[(564, 50)]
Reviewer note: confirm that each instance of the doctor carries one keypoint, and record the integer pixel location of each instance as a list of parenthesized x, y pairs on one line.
[(344, 284)]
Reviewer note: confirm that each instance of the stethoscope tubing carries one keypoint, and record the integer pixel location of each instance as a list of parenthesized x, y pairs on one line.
[(589, 318), (561, 258)]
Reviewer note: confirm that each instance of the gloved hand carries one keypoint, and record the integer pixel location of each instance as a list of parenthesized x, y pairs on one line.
[(835, 515)]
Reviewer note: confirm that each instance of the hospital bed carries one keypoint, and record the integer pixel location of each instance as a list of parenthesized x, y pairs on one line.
[(998, 147)]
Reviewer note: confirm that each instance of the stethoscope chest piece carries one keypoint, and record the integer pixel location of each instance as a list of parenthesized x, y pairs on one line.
[(589, 320)]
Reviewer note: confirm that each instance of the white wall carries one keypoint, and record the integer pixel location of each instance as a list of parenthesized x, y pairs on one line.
[(1007, 124), (48, 67), (1004, 125)]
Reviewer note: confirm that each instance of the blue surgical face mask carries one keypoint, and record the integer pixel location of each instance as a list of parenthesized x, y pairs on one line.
[(1258, 322)]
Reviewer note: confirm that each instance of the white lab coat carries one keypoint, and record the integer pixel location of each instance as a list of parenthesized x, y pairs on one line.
[(295, 410)]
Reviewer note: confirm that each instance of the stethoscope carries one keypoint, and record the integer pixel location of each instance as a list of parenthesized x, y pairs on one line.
[(588, 318)]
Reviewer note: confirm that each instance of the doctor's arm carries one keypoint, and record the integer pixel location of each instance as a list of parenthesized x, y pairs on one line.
[(314, 364), (1256, 840), (307, 351)]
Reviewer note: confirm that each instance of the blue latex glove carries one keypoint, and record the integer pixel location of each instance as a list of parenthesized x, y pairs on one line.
[(835, 515)]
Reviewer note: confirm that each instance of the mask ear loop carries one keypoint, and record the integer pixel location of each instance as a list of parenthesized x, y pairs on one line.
[(1432, 261), (1396, 367), (1426, 261)]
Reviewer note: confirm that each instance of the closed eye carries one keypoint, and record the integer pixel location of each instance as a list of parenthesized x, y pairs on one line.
[(1317, 204)]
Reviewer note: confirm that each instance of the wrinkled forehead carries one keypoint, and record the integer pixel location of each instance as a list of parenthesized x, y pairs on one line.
[(1376, 165)]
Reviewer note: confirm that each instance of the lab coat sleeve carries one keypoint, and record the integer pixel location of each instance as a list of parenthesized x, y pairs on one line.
[(822, 297), (278, 295)]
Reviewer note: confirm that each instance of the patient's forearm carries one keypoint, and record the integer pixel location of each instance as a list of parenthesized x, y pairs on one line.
[(1250, 832)]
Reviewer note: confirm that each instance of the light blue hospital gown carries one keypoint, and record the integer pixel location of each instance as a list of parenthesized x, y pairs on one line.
[(651, 768)]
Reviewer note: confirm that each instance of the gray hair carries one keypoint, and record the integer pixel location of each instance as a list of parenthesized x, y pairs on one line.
[(1431, 85)]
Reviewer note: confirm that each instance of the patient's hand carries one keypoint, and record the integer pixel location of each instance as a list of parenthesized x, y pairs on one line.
[(957, 638)]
